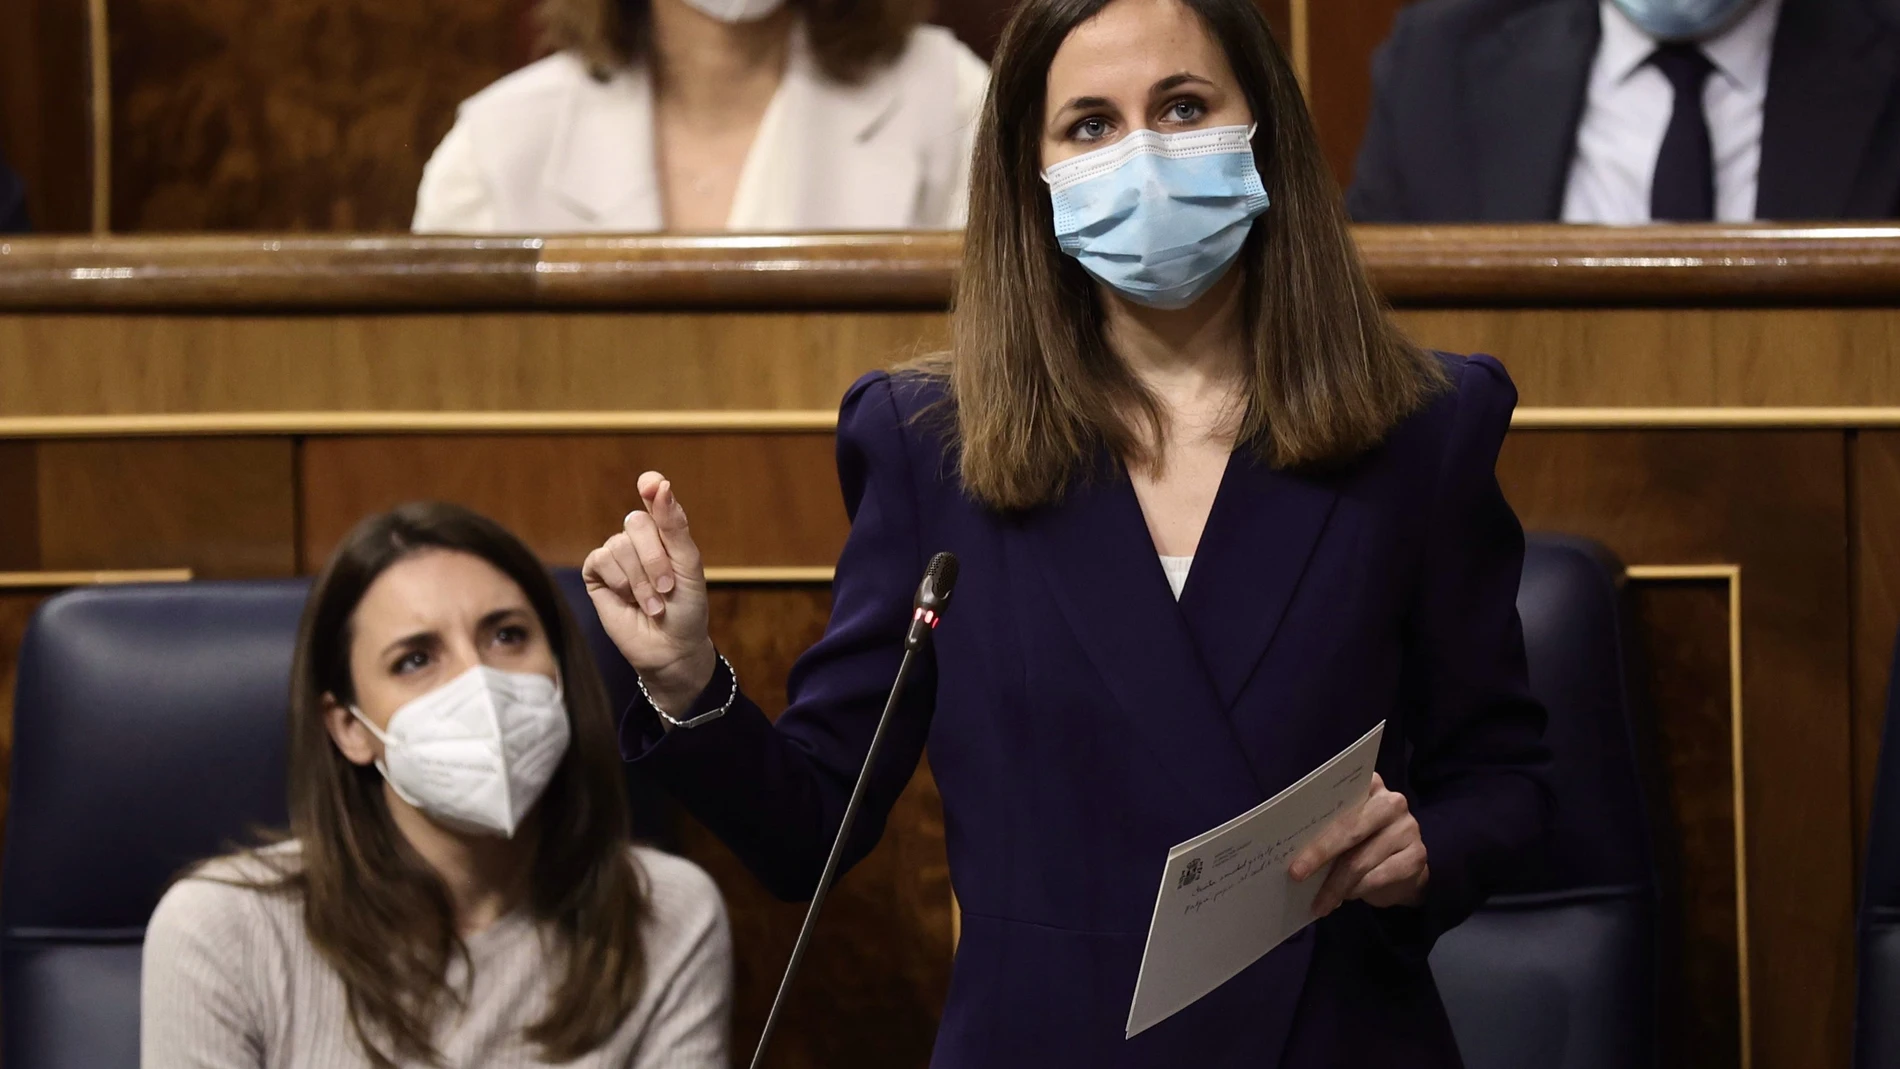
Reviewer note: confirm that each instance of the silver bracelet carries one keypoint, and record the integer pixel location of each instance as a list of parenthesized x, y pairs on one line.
[(703, 718)]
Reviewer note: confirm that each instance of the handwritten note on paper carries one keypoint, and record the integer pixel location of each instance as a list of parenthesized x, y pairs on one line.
[(1226, 898)]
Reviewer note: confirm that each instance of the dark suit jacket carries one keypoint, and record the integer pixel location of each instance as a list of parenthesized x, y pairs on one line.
[(12, 202), (1476, 105), (1081, 723)]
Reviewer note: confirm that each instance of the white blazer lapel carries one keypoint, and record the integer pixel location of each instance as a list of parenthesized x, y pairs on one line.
[(845, 164), (601, 165)]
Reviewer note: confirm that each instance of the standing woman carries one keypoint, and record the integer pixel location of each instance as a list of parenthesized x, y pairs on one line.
[(715, 115), (1216, 519)]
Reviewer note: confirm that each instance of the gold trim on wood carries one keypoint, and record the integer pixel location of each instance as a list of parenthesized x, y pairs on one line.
[(1731, 575), (796, 573), (196, 424), (99, 44), (714, 421), (56, 580), (1301, 29), (1738, 417)]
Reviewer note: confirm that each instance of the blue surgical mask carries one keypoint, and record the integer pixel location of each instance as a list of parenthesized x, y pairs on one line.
[(1684, 20), (1159, 217)]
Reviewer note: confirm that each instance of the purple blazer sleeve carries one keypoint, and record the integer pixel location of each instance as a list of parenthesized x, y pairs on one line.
[(775, 793), (1477, 774)]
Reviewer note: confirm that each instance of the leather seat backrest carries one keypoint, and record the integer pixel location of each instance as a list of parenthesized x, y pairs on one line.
[(1877, 1017), (1559, 970)]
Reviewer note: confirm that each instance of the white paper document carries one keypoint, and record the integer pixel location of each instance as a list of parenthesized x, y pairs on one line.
[(1226, 898)]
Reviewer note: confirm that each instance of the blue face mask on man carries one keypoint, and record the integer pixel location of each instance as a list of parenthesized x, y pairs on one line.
[(1684, 20), (1159, 218)]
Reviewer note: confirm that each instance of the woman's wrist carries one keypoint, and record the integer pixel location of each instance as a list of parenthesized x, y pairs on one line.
[(674, 688)]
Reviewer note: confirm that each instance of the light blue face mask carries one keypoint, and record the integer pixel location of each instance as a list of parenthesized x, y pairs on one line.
[(1684, 20), (1159, 217)]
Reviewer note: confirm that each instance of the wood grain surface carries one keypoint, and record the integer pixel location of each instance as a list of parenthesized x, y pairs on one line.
[(312, 115), (1341, 37), (753, 500), (45, 113), (1692, 266), (78, 364), (222, 507)]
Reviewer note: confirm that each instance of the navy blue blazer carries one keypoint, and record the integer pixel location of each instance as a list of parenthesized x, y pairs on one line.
[(1080, 723)]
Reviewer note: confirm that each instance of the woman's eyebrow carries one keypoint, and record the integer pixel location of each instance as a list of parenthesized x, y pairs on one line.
[(1176, 81), (1083, 103), (501, 616), (420, 638)]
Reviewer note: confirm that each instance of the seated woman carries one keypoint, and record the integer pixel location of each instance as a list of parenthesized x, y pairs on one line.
[(717, 114), (458, 888)]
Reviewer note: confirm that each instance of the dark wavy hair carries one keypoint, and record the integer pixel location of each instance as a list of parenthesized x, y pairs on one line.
[(372, 907), (1036, 391), (851, 38)]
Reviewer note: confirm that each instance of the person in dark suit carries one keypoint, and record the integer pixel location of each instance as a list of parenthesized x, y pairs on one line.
[(1632, 111), (1216, 518), (12, 201)]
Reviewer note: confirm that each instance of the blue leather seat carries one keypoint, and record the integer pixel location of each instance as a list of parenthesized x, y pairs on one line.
[(149, 732), (1560, 972), (1877, 1018)]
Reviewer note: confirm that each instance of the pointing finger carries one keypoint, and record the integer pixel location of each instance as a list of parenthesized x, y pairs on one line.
[(670, 518), (645, 535)]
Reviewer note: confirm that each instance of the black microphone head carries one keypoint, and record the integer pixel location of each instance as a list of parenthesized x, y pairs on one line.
[(940, 579)]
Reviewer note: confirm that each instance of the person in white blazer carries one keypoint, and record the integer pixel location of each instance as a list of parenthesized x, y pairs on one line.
[(748, 115)]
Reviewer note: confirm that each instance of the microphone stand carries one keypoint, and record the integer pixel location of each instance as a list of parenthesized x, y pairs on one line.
[(837, 853)]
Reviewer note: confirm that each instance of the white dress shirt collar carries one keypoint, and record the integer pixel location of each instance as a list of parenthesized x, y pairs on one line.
[(1740, 53)]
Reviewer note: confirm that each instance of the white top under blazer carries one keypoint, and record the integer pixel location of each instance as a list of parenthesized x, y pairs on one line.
[(550, 149)]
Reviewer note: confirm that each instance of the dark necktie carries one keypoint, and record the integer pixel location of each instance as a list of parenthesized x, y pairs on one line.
[(1684, 187)]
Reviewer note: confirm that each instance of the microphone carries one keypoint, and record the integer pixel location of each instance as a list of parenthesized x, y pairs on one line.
[(933, 597)]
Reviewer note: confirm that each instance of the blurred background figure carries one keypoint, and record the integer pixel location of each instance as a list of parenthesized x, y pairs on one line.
[(12, 201), (717, 114), (1633, 111)]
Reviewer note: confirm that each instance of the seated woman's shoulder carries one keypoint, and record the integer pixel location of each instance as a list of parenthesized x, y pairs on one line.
[(224, 903), (684, 901), (533, 86)]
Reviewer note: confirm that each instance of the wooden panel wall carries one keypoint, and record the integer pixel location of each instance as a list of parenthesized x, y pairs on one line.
[(45, 113), (659, 362), (317, 115), (421, 362), (1341, 37)]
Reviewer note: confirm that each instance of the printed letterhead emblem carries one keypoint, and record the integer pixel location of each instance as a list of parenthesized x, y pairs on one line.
[(1191, 873)]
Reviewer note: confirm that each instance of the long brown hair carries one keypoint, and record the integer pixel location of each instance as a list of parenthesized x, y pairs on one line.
[(851, 38), (371, 906), (1035, 388)]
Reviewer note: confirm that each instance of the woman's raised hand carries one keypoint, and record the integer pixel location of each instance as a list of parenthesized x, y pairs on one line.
[(649, 587)]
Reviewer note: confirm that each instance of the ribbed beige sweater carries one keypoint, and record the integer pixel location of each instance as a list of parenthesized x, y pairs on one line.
[(231, 982)]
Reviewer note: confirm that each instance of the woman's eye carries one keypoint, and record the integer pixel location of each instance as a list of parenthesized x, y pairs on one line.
[(1186, 110), (512, 635), (1093, 129), (411, 662)]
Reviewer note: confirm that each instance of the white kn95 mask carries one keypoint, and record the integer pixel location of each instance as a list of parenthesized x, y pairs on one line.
[(476, 753), (737, 10)]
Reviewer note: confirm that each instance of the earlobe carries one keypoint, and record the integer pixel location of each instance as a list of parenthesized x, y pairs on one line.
[(355, 742)]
